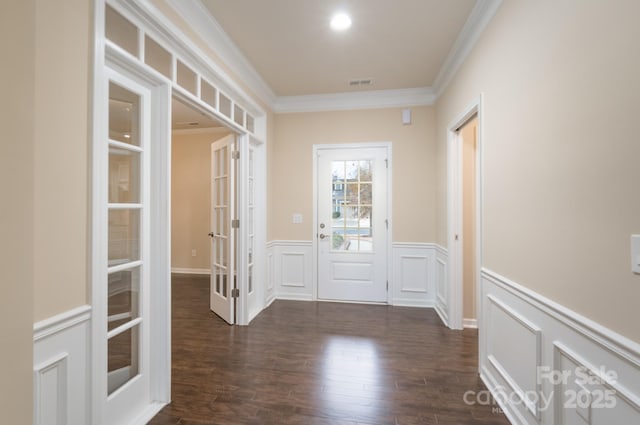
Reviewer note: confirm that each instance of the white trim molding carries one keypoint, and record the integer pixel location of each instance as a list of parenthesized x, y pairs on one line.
[(373, 99), (204, 23), (470, 323), (455, 235), (565, 367), (186, 270), (61, 368), (60, 322), (441, 284), (480, 16)]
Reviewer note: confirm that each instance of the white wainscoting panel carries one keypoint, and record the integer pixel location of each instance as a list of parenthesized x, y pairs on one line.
[(413, 282), (441, 283), (270, 292), (61, 372), (291, 269), (572, 370)]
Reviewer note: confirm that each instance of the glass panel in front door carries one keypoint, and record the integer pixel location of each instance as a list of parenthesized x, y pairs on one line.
[(352, 202)]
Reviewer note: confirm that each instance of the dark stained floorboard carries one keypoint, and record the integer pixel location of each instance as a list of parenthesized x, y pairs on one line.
[(319, 363)]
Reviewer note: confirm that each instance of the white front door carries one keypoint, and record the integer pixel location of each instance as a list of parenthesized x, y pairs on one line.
[(352, 220), (223, 232)]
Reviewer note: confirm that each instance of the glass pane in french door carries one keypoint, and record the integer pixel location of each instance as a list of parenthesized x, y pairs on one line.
[(124, 176), (125, 222), (122, 298), (123, 363), (124, 115)]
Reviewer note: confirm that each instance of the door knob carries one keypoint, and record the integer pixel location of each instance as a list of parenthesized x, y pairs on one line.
[(322, 236), (211, 234)]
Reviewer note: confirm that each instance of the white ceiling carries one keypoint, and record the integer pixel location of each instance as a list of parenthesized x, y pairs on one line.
[(400, 44), (184, 117)]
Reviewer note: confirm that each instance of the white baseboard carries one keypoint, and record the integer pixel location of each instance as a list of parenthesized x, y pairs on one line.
[(148, 414), (400, 302), (441, 284), (470, 323), (61, 360), (190, 271), (294, 297), (442, 314), (525, 334)]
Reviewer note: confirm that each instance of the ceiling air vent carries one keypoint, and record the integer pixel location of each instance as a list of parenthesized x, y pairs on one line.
[(361, 82)]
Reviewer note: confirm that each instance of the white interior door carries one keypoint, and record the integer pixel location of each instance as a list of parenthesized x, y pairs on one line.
[(128, 260), (352, 223), (223, 213)]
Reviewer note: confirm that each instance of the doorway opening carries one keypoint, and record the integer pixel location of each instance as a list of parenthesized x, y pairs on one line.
[(203, 198), (217, 204), (464, 193), (467, 135)]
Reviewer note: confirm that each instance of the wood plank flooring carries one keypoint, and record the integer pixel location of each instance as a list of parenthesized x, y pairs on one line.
[(320, 364)]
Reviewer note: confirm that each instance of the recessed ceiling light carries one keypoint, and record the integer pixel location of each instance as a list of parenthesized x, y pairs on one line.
[(340, 22)]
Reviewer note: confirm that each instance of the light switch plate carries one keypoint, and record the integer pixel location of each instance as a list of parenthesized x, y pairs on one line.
[(635, 253), (297, 218)]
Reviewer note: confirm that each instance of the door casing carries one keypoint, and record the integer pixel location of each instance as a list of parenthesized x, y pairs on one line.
[(454, 215), (315, 251)]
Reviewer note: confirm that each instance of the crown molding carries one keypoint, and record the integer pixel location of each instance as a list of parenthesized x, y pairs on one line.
[(478, 20), (355, 100), (203, 23)]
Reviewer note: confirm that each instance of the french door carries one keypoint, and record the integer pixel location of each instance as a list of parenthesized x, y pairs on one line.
[(223, 228), (352, 223), (127, 288)]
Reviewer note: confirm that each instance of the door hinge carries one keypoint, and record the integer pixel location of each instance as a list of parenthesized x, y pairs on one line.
[(387, 286), (235, 293), (235, 223), (386, 162), (235, 155), (386, 223)]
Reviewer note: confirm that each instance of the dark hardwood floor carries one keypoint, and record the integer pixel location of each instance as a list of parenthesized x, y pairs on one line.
[(319, 363)]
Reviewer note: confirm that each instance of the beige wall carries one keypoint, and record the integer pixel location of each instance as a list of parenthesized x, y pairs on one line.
[(560, 151), (63, 35), (190, 197), (17, 43), (468, 135), (413, 171)]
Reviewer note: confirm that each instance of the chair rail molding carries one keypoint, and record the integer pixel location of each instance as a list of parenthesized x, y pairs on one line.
[(61, 365)]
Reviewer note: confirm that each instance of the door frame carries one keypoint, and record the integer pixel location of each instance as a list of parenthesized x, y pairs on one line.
[(157, 318), (314, 238), (454, 214)]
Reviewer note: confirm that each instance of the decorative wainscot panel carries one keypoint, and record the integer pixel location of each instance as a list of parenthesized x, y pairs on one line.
[(414, 273), (546, 364), (61, 369)]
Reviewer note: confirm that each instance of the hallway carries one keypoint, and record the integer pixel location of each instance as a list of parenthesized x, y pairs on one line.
[(319, 363)]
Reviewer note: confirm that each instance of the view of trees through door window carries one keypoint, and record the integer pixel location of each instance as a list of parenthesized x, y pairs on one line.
[(351, 227)]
